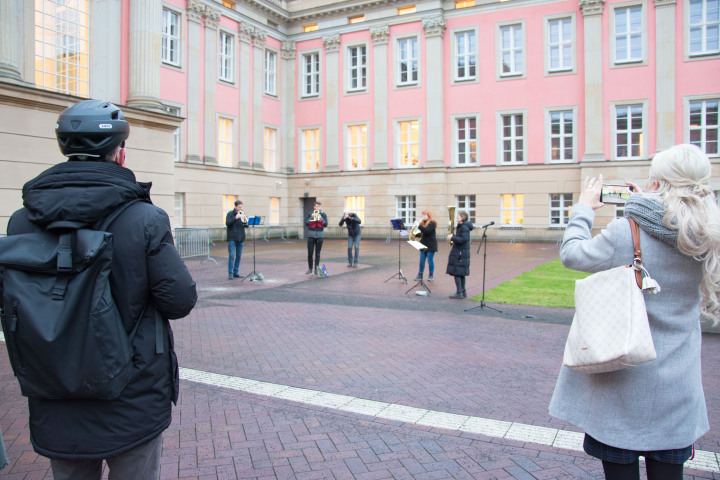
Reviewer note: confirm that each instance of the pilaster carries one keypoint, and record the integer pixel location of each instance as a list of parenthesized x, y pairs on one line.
[(665, 73), (288, 54), (258, 40), (245, 32), (195, 11), (145, 45), (434, 31), (332, 115), (211, 17), (12, 41), (106, 39), (594, 113), (380, 37)]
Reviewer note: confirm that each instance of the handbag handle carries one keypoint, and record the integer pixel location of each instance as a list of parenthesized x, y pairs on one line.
[(637, 253)]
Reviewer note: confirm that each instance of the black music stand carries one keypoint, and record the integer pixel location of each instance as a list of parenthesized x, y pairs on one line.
[(419, 246), (399, 225), (254, 276), (484, 239)]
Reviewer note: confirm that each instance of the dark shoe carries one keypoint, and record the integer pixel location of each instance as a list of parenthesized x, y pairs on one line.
[(230, 277), (430, 278), (464, 293), (354, 265), (237, 276), (349, 264), (456, 296), (309, 272), (418, 277)]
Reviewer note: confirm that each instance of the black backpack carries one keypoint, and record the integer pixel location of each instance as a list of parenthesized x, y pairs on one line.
[(63, 331)]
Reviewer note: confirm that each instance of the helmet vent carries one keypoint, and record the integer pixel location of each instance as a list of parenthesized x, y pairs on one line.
[(75, 124)]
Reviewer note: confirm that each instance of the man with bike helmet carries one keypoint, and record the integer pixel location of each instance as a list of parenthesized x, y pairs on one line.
[(150, 285)]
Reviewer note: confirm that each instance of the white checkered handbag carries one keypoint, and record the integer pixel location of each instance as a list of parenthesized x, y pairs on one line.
[(610, 330)]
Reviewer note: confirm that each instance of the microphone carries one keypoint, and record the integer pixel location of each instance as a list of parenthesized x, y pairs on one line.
[(488, 224)]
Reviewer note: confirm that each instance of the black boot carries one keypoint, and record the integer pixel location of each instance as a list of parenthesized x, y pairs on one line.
[(464, 293), (456, 296)]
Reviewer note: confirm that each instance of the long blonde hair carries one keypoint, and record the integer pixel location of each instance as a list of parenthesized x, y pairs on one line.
[(683, 173)]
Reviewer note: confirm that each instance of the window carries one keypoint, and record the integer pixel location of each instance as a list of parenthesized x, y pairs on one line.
[(270, 149), (357, 205), (357, 68), (466, 147), (225, 142), (225, 57), (176, 134), (311, 74), (357, 147), (703, 126), (170, 37), (511, 209), (228, 4), (274, 210), (704, 27), (464, 3), (405, 208), (408, 143), (356, 19), (61, 46), (405, 10), (408, 61), (310, 27), (628, 34), (512, 136), (511, 50), (310, 150), (467, 203), (560, 204), (560, 44), (179, 213), (465, 55), (228, 203), (629, 134), (562, 135), (270, 71)]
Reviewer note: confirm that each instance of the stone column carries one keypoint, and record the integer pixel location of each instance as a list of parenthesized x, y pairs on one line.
[(105, 39), (212, 17), (381, 129), (665, 73), (594, 113), (195, 11), (288, 94), (145, 44), (258, 88), (435, 117), (245, 34), (12, 41), (332, 115)]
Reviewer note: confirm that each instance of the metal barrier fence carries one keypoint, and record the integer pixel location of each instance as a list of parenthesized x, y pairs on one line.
[(193, 242)]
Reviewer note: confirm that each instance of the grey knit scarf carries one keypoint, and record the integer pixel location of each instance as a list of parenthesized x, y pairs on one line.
[(648, 213)]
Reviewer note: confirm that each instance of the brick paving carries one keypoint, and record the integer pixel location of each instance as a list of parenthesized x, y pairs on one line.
[(357, 333)]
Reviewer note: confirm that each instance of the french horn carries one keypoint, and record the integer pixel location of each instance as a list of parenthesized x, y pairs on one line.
[(415, 233), (451, 224)]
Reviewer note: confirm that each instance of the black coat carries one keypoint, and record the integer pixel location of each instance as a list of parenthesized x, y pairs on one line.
[(146, 269), (235, 227), (353, 225), (459, 259), (429, 238)]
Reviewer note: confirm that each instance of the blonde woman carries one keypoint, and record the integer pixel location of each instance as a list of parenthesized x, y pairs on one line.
[(656, 410)]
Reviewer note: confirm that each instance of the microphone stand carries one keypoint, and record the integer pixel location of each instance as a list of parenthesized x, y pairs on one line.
[(482, 301)]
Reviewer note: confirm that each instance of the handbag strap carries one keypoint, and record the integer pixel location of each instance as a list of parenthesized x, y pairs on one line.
[(637, 253)]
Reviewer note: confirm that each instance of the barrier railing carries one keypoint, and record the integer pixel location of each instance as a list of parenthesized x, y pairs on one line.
[(193, 242)]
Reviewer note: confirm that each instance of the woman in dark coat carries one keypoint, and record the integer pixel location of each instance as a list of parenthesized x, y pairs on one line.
[(459, 260)]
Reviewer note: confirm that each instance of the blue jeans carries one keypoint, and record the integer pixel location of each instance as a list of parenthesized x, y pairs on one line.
[(430, 257), (353, 240), (234, 254)]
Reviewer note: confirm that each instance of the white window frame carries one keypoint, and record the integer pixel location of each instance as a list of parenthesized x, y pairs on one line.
[(223, 142), (456, 142), (405, 208), (569, 44), (467, 203), (561, 211), (177, 110), (549, 135), (512, 209), (466, 49), (358, 72), (179, 209), (630, 61), (274, 204), (313, 152), (499, 122), (513, 26), (687, 128), (312, 77), (413, 75), (226, 56), (270, 73), (355, 145), (401, 145), (169, 38), (643, 131), (270, 150), (704, 25)]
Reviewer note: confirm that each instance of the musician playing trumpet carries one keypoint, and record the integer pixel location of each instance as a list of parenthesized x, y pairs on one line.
[(236, 221), (316, 222), (459, 259), (427, 227)]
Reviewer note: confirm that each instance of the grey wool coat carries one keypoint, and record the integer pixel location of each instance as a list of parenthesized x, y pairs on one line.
[(659, 405)]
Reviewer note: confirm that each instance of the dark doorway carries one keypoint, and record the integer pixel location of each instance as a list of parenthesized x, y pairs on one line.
[(308, 204)]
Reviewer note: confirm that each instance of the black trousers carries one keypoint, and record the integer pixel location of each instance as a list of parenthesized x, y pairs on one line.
[(314, 244)]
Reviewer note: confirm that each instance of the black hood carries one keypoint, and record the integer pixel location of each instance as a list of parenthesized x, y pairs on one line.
[(80, 191)]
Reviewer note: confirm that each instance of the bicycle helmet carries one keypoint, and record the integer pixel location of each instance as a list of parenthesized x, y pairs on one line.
[(92, 128)]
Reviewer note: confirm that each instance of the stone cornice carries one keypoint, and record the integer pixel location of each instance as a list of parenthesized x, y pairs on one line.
[(338, 9), (591, 7), (665, 3), (380, 35), (288, 51), (434, 27), (331, 43)]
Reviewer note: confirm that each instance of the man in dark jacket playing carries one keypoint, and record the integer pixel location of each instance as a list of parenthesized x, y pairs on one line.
[(235, 220), (149, 282)]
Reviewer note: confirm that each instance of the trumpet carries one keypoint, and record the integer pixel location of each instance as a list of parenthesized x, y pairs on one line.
[(451, 224), (243, 217), (316, 215)]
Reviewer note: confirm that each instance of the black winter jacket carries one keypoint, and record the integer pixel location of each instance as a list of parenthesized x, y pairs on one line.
[(146, 269), (353, 225), (459, 258), (235, 227), (429, 237)]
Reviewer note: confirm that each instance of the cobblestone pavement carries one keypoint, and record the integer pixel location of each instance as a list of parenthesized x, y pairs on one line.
[(354, 376)]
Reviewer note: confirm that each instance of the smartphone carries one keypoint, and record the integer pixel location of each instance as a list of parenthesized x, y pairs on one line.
[(615, 193)]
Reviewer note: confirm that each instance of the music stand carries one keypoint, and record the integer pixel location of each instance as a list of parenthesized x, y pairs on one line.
[(419, 246), (484, 239), (254, 275), (399, 225)]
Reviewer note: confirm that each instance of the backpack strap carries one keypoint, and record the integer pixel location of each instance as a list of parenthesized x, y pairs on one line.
[(103, 224)]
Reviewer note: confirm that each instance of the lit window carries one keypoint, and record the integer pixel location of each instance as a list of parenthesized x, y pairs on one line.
[(464, 3), (270, 149), (405, 10), (228, 4), (225, 142), (310, 150), (228, 203), (560, 204), (628, 131), (274, 209), (225, 57), (408, 61), (356, 205), (405, 208), (560, 44), (270, 69), (61, 46), (357, 147), (628, 34), (511, 49), (311, 74), (513, 139), (511, 209), (704, 27), (357, 68), (310, 27), (562, 136), (704, 129), (357, 19), (170, 37), (466, 141), (408, 143), (467, 203), (465, 55)]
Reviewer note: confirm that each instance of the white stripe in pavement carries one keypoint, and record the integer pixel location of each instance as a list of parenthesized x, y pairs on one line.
[(705, 461)]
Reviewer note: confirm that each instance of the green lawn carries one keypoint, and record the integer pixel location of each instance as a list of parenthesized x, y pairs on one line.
[(549, 285)]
